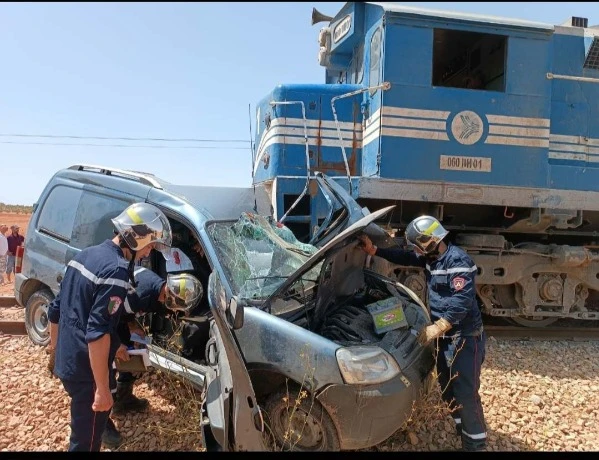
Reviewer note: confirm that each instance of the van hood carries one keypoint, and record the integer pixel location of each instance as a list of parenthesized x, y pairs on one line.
[(341, 240)]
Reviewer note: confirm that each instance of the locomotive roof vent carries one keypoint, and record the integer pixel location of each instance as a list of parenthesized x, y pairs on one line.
[(575, 21)]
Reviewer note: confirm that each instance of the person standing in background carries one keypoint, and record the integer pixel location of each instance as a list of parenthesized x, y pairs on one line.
[(3, 251), (14, 241)]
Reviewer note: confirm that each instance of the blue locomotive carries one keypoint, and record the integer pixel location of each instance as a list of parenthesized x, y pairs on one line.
[(489, 124)]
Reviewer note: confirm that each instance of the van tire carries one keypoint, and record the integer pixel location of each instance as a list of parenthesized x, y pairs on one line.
[(36, 317), (323, 433)]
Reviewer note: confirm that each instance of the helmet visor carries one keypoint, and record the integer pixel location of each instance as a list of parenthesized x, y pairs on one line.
[(424, 243), (140, 231)]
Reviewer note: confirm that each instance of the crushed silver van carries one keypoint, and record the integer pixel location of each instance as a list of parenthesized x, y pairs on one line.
[(296, 345)]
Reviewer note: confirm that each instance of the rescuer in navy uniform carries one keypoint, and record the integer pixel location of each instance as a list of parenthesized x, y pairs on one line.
[(85, 314), (179, 292), (457, 320)]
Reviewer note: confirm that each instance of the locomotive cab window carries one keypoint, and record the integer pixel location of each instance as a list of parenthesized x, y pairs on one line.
[(356, 70), (375, 59), (469, 60)]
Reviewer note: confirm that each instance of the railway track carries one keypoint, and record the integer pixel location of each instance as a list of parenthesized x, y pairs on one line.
[(7, 301), (576, 334), (11, 327), (505, 332)]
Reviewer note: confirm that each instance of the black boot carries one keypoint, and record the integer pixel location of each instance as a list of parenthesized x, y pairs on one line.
[(111, 438), (126, 401)]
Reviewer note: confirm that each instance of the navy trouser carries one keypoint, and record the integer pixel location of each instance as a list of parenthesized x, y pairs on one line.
[(459, 362), (126, 377), (87, 426)]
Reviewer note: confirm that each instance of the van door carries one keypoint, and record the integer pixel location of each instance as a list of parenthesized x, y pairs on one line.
[(236, 422)]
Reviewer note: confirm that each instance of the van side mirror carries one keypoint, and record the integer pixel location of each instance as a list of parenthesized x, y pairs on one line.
[(235, 312), (232, 310)]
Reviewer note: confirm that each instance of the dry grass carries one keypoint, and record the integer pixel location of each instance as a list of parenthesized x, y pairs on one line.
[(173, 426), (180, 420)]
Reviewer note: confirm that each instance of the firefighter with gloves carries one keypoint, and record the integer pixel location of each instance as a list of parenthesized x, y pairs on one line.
[(457, 325), (180, 292)]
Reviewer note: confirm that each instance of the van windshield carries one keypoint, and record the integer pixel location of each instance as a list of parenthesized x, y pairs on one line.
[(258, 254)]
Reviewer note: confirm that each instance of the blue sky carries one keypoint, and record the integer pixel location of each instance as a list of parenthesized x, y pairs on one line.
[(162, 70)]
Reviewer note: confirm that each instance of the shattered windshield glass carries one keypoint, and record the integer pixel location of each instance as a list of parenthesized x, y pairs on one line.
[(259, 254)]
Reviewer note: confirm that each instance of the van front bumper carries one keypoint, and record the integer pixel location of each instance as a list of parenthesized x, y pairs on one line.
[(369, 414)]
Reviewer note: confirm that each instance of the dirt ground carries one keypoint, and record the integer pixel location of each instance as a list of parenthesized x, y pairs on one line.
[(537, 396), (22, 220)]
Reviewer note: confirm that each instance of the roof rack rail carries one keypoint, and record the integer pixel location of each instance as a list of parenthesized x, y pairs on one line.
[(144, 178)]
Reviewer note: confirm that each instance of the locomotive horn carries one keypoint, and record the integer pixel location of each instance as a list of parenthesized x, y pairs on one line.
[(317, 17)]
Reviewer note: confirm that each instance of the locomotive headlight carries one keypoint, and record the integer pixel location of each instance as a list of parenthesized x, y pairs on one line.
[(366, 365)]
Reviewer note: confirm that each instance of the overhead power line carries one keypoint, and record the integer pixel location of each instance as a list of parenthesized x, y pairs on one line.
[(129, 145), (102, 138)]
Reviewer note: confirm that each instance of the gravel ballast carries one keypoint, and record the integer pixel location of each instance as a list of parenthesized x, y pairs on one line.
[(537, 396)]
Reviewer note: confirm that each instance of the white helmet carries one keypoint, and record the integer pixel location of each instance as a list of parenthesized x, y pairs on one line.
[(142, 224), (425, 232), (183, 291)]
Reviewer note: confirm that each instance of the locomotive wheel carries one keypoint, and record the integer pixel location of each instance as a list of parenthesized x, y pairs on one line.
[(506, 295), (528, 321)]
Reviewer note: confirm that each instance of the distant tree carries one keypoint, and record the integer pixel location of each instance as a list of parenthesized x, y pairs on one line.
[(16, 208)]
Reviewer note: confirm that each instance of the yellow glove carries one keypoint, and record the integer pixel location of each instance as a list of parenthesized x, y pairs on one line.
[(437, 329), (51, 359)]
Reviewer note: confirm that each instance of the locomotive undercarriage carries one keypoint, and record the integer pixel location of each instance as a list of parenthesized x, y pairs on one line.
[(531, 284), (535, 266)]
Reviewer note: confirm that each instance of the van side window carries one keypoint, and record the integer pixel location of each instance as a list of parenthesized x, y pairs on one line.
[(58, 212), (92, 224)]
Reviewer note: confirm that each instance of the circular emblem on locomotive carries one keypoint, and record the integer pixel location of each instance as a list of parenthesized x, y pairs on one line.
[(467, 127)]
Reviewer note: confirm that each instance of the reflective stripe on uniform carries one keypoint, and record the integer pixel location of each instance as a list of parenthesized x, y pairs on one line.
[(451, 271), (136, 272), (127, 306), (475, 436), (94, 279)]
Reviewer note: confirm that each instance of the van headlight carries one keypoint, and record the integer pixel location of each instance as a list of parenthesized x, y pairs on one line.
[(366, 365)]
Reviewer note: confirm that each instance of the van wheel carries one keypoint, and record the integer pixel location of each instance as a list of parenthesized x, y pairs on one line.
[(296, 422), (36, 317)]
